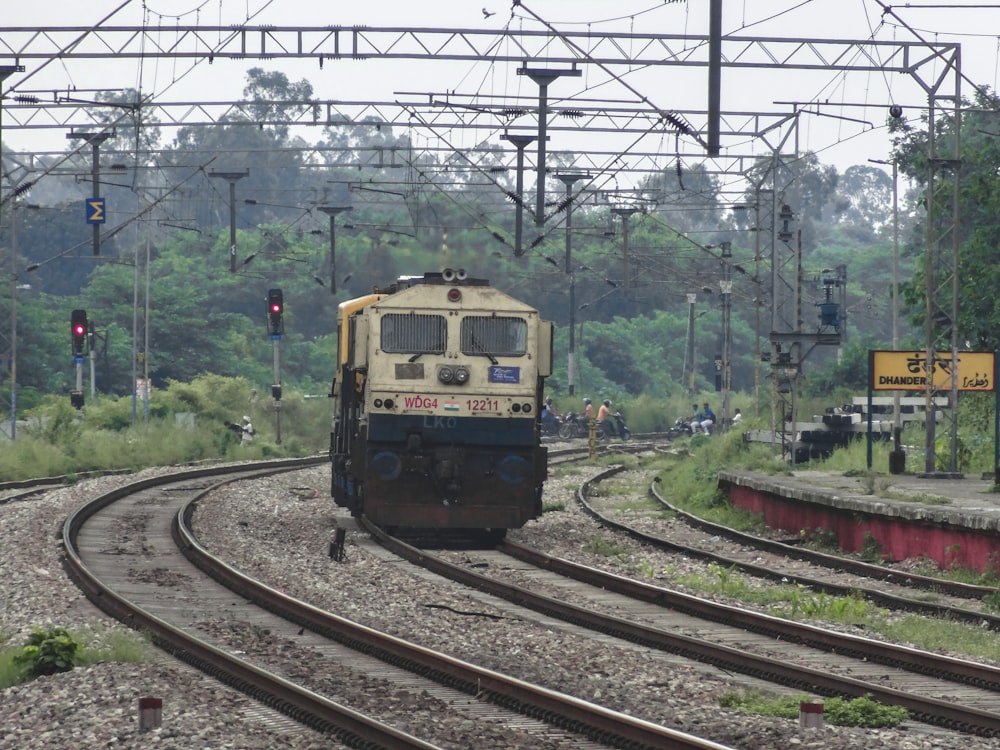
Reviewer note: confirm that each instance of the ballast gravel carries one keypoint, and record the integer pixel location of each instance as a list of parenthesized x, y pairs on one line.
[(280, 529)]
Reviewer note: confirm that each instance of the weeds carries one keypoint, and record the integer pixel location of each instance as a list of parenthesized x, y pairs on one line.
[(871, 549), (606, 548), (849, 712), (820, 540), (47, 652), (58, 650)]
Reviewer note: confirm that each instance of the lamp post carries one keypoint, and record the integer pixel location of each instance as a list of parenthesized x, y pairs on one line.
[(332, 212), (232, 177), (568, 179)]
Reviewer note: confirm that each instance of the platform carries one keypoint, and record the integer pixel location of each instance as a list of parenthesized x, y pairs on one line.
[(953, 521)]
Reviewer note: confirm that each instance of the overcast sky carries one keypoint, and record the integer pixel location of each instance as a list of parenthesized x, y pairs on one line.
[(835, 134)]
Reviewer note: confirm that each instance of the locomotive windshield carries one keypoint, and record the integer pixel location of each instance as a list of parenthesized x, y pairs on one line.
[(414, 334), (494, 335)]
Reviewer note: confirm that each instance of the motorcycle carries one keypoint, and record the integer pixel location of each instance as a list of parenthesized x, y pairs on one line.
[(574, 426), (682, 428), (551, 427), (617, 428)]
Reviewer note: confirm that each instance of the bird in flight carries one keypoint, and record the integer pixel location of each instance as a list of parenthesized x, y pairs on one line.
[(487, 14)]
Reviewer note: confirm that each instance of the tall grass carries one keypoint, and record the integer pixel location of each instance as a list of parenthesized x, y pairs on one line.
[(186, 423)]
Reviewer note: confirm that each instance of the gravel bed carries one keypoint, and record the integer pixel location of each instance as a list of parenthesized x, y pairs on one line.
[(280, 530), (671, 568), (97, 706)]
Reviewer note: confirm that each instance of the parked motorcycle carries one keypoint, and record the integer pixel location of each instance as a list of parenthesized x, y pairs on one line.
[(612, 427), (574, 426)]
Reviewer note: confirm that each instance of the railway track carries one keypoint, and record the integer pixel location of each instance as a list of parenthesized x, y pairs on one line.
[(891, 589), (158, 589), (835, 562), (799, 656), (943, 691)]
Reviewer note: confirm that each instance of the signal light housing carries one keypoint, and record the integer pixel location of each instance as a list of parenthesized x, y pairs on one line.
[(275, 311), (78, 329)]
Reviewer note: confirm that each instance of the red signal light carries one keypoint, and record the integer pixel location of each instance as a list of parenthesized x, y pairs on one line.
[(275, 308), (78, 333)]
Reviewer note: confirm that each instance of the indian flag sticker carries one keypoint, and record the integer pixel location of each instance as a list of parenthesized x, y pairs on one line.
[(451, 405)]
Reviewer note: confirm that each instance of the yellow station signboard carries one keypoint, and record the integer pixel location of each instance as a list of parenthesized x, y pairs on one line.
[(907, 371)]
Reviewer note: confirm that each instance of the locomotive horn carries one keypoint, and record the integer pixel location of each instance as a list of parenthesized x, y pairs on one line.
[(448, 275), (461, 275)]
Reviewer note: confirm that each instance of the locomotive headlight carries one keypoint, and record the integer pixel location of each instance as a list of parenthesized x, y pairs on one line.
[(515, 408), (446, 374), (461, 375), (377, 403), (454, 295)]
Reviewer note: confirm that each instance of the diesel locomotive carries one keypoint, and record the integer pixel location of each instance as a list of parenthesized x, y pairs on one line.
[(437, 399)]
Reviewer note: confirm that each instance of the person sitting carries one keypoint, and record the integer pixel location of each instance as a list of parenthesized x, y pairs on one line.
[(550, 405), (696, 418), (708, 419), (604, 420), (737, 416), (588, 409), (548, 415)]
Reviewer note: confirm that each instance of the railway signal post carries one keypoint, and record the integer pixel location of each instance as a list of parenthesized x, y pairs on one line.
[(78, 339), (276, 327)]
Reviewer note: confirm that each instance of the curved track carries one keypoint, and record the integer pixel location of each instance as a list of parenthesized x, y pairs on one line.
[(158, 590), (937, 690), (905, 600), (838, 562)]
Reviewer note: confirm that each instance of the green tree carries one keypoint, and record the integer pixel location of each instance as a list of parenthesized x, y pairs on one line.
[(979, 211)]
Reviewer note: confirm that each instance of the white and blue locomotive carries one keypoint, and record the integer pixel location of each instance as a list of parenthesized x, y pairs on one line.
[(436, 404)]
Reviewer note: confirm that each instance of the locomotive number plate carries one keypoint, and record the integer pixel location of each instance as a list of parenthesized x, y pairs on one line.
[(482, 404)]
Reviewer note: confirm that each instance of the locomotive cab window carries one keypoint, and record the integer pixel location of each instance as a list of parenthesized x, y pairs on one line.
[(414, 334), (494, 335)]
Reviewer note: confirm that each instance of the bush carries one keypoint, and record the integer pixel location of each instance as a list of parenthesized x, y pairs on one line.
[(48, 652)]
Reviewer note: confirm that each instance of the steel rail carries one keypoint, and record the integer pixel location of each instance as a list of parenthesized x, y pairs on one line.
[(882, 598), (562, 710), (928, 710), (348, 726), (859, 567)]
